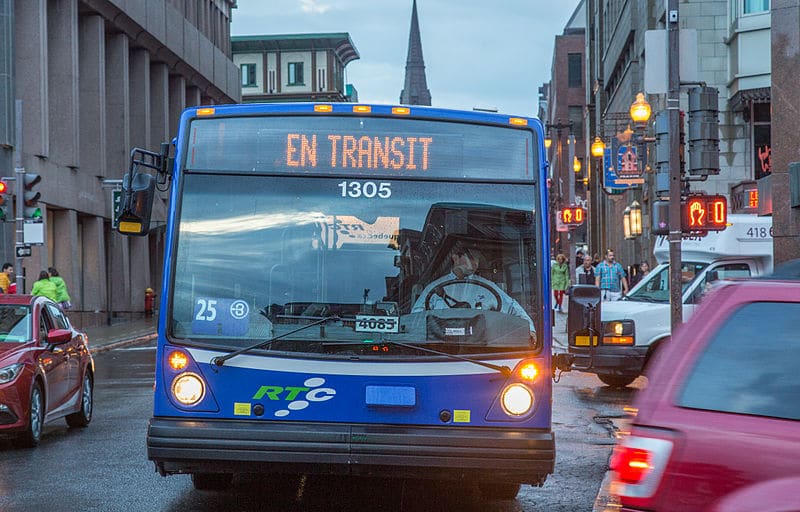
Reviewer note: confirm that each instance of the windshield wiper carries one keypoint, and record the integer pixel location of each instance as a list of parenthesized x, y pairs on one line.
[(220, 360), (505, 370), (645, 298)]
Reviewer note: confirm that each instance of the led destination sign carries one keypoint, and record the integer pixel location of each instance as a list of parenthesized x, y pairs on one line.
[(360, 146), (358, 152)]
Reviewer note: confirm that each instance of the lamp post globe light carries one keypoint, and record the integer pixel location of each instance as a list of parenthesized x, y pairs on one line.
[(626, 223), (635, 219), (640, 110), (576, 165), (598, 147)]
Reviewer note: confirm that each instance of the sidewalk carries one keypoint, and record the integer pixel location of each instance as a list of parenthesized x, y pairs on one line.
[(109, 337), (560, 328)]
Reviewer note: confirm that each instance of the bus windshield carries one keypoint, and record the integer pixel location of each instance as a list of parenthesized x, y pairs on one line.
[(449, 265)]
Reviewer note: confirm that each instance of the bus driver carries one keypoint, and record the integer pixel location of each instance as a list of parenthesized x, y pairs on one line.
[(465, 264)]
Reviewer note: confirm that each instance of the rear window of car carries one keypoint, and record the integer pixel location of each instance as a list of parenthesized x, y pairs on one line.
[(751, 365)]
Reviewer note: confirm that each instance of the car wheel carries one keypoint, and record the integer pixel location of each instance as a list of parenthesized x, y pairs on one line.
[(616, 381), (499, 490), (211, 481), (84, 415), (31, 437)]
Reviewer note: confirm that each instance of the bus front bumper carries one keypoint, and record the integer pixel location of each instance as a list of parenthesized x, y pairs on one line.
[(446, 453)]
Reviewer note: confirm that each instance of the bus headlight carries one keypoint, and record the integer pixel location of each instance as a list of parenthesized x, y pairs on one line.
[(517, 399), (188, 388)]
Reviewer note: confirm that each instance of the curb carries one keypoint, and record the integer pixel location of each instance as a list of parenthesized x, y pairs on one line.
[(123, 343)]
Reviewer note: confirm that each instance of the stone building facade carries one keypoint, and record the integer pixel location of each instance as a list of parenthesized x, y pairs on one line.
[(294, 67), (731, 54), (96, 79)]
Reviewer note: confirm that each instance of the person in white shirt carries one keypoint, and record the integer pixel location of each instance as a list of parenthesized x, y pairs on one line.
[(468, 291)]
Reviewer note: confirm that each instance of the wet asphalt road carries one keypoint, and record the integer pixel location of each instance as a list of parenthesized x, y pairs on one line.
[(104, 467)]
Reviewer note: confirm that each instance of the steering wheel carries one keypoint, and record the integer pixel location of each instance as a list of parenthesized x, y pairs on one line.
[(453, 303)]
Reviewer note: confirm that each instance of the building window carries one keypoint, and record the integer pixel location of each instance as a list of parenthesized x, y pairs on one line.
[(755, 6), (248, 75), (295, 73), (575, 70)]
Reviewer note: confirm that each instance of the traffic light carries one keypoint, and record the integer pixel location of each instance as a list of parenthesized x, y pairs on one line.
[(703, 136), (31, 196), (4, 201), (703, 213), (572, 215)]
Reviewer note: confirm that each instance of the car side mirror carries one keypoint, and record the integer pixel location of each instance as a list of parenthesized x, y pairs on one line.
[(58, 336)]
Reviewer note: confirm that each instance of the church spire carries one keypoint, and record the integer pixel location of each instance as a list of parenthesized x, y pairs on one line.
[(415, 90)]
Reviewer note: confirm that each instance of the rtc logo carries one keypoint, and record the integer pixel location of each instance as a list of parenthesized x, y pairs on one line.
[(313, 393)]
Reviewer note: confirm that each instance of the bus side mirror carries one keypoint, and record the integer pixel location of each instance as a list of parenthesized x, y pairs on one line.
[(583, 319), (137, 204)]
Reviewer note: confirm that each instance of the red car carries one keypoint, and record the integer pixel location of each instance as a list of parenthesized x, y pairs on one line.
[(46, 370), (718, 426)]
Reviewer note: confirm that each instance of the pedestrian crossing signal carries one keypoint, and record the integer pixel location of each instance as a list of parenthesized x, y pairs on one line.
[(4, 202), (703, 213), (572, 215)]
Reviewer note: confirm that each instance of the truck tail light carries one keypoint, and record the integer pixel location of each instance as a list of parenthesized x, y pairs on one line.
[(638, 464)]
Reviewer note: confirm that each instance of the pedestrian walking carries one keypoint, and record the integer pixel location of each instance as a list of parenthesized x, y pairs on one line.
[(610, 277), (559, 280), (5, 277), (62, 296), (595, 260), (44, 287), (584, 274), (643, 270), (578, 258)]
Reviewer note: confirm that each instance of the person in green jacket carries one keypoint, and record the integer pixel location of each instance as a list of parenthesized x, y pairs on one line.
[(62, 296), (559, 280), (44, 287)]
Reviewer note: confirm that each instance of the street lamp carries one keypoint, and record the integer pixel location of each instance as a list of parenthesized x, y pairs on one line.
[(548, 142), (598, 147), (640, 110), (626, 223), (576, 165), (635, 219)]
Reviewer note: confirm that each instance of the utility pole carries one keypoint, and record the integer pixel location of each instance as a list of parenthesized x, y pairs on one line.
[(19, 188), (571, 199), (675, 178)]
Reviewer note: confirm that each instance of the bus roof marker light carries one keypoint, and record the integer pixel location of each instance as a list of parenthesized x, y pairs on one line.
[(401, 111), (206, 111), (518, 121), (362, 109), (323, 108)]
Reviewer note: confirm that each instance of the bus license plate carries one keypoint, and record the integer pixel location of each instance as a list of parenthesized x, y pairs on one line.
[(372, 323)]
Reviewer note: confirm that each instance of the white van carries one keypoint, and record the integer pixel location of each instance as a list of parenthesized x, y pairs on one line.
[(634, 326)]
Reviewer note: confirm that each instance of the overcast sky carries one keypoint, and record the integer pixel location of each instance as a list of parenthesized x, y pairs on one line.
[(478, 53)]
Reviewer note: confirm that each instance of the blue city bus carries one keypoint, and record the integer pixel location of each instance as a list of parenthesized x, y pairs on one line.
[(351, 289)]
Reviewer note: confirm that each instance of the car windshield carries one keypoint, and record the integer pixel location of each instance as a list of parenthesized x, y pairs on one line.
[(655, 286), (259, 257), (15, 323)]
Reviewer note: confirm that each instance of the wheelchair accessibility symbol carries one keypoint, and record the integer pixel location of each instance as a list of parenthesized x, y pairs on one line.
[(239, 309)]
